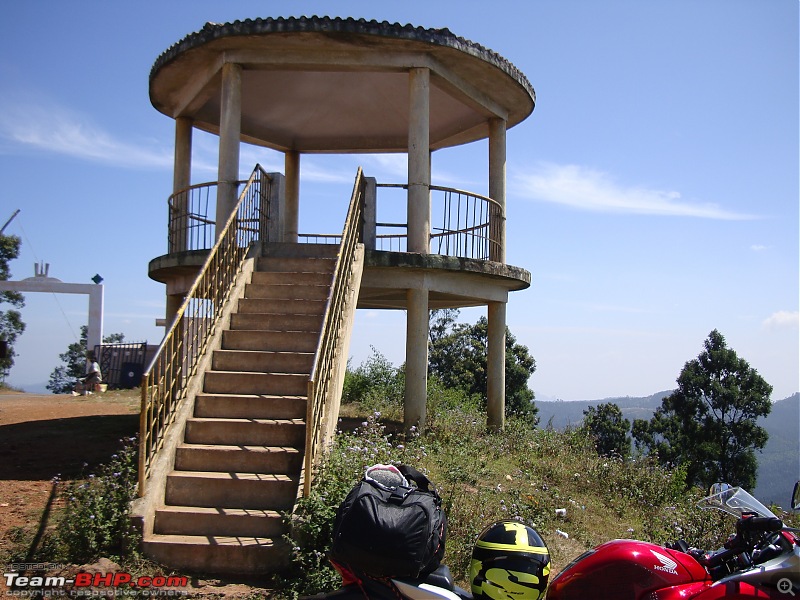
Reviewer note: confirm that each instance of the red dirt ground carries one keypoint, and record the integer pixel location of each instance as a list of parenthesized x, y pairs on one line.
[(44, 436)]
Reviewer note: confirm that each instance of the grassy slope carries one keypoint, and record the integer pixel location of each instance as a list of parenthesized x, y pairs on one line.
[(525, 473)]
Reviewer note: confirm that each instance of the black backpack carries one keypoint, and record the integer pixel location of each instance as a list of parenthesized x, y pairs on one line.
[(397, 532)]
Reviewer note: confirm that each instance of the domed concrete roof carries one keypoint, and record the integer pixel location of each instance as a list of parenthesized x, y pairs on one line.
[(320, 84)]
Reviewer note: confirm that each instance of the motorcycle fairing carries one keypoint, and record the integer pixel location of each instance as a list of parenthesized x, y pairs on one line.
[(625, 569), (705, 591)]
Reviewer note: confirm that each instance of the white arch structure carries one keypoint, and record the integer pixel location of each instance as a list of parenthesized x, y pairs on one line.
[(42, 283)]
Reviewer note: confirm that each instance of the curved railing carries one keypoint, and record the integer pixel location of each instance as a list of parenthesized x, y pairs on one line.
[(164, 383), (463, 224), (191, 227), (467, 225)]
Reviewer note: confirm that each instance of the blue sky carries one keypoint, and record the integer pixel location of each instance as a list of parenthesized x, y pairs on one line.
[(653, 193)]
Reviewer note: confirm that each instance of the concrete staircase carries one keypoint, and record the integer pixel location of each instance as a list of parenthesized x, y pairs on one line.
[(240, 461)]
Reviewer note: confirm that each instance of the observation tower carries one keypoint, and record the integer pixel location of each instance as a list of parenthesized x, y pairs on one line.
[(259, 313)]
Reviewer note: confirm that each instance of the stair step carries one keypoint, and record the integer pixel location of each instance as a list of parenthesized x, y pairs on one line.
[(225, 459), (277, 305), (246, 432), (277, 341), (262, 362), (298, 277), (287, 291), (197, 520), (240, 406), (297, 265), (273, 384), (231, 490), (276, 321), (219, 554)]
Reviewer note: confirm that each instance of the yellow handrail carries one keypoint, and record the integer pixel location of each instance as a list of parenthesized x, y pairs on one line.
[(164, 383), (330, 340)]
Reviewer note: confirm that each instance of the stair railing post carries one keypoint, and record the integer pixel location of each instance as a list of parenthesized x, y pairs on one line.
[(370, 214)]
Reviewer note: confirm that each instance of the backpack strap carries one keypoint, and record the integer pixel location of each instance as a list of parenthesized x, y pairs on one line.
[(423, 483)]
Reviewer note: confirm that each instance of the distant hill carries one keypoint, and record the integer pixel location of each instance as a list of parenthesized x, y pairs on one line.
[(778, 464), (560, 414)]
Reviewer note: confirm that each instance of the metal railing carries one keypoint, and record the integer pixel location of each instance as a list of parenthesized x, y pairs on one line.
[(464, 224), (467, 226), (321, 380), (164, 383), (191, 227)]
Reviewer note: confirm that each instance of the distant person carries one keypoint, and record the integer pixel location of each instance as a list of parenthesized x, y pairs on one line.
[(93, 375)]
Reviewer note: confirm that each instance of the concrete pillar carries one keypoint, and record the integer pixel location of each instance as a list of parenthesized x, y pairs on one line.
[(181, 179), (174, 302), (496, 366), (497, 188), (291, 218), (229, 139), (182, 171), (94, 330), (277, 202), (416, 394), (419, 165), (369, 236)]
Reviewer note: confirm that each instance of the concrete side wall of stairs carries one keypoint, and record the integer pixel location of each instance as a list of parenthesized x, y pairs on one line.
[(239, 462)]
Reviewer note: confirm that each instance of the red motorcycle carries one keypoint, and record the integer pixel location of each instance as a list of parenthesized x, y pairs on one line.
[(510, 561), (761, 560)]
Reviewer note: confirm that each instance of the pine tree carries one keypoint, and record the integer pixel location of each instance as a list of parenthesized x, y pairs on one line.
[(709, 424)]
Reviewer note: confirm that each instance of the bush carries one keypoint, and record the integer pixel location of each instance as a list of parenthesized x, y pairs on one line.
[(374, 384), (95, 520)]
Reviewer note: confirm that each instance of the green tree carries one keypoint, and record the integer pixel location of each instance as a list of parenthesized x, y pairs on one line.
[(609, 429), (63, 377), (708, 425), (457, 356), (11, 325), (373, 382)]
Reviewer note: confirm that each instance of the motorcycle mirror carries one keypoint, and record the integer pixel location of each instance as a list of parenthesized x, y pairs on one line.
[(796, 496)]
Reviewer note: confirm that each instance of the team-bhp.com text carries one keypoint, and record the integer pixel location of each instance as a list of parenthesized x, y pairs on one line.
[(94, 584)]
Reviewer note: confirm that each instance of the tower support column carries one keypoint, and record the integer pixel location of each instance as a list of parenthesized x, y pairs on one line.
[(229, 140), (292, 205), (497, 189), (416, 394), (496, 366), (419, 161)]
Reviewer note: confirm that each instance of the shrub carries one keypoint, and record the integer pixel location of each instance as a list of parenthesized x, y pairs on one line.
[(95, 519), (374, 384)]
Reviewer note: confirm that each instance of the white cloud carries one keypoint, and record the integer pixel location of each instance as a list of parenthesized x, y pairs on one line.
[(783, 319), (593, 190), (51, 128), (758, 248)]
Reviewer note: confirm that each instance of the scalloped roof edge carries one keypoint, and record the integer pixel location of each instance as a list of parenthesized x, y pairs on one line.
[(440, 37)]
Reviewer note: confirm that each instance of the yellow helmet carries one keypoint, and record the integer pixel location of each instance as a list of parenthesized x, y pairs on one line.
[(510, 561)]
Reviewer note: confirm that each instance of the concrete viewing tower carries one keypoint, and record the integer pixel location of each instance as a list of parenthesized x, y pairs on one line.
[(324, 85), (302, 86)]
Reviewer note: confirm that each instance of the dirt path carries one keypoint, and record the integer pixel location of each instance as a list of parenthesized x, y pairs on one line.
[(44, 436)]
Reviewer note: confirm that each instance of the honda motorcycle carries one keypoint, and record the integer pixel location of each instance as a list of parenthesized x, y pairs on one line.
[(761, 560)]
